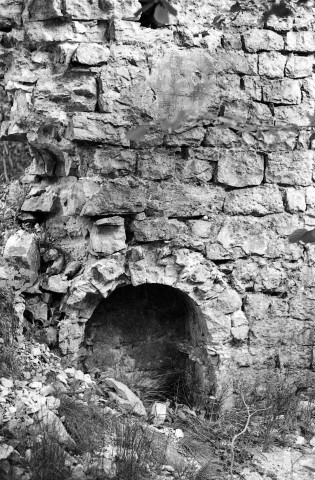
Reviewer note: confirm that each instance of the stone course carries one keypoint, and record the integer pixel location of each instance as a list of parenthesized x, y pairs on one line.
[(204, 210)]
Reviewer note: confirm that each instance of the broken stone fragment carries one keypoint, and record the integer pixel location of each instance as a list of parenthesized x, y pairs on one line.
[(44, 203), (57, 284), (5, 451), (72, 269), (159, 413), (125, 393), (240, 328), (107, 238), (21, 248), (57, 266), (91, 54), (48, 420), (110, 221)]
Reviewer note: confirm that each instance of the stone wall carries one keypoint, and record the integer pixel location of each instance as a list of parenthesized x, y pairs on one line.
[(205, 210)]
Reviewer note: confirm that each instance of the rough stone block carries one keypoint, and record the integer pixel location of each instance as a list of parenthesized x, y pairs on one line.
[(310, 196), (232, 41), (295, 200), (291, 168), (271, 64), (257, 39), (47, 202), (155, 166), (286, 91), (300, 42), (123, 196), (161, 228), (107, 239), (213, 40), (240, 168), (280, 24), (261, 200), (299, 67), (300, 115), (253, 87), (97, 128), (10, 14), (76, 92), (237, 62), (107, 160), (22, 249), (277, 140), (41, 10), (56, 283), (221, 137), (91, 54), (195, 170), (240, 328), (192, 137), (89, 10), (60, 31)]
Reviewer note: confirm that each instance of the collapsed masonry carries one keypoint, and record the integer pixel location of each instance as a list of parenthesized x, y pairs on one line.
[(176, 242)]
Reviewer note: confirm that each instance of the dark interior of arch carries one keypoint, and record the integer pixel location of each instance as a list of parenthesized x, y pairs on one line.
[(152, 338)]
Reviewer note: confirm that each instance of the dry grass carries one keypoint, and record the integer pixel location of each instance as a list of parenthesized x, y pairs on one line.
[(86, 424)]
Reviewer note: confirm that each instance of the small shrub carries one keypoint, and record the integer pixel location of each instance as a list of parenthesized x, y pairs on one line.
[(134, 452), (85, 423), (9, 365), (48, 459), (8, 321)]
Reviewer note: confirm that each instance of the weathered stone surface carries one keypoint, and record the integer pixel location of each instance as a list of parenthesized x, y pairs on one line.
[(107, 239), (293, 168), (156, 166), (256, 40), (124, 392), (174, 199), (254, 201), (118, 221), (70, 336), (97, 128), (300, 42), (240, 169), (108, 161), (295, 200), (280, 24), (59, 31), (76, 92), (57, 284), (10, 14), (240, 328), (271, 64), (47, 202), (286, 91), (299, 67), (22, 249), (91, 54), (150, 230)]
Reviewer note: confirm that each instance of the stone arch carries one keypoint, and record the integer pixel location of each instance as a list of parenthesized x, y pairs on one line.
[(203, 288), (153, 332)]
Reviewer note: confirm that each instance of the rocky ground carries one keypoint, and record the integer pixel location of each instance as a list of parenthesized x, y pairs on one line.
[(58, 423)]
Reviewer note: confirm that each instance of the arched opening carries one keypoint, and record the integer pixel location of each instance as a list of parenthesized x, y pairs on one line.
[(151, 337)]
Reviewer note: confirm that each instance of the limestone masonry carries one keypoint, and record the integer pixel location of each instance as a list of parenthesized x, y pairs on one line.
[(204, 211)]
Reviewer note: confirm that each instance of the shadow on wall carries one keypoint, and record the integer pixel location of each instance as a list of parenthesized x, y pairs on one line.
[(153, 338)]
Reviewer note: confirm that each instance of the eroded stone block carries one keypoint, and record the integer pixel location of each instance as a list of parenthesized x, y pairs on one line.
[(295, 200), (291, 168), (261, 200), (22, 248), (257, 39), (107, 239), (240, 168)]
